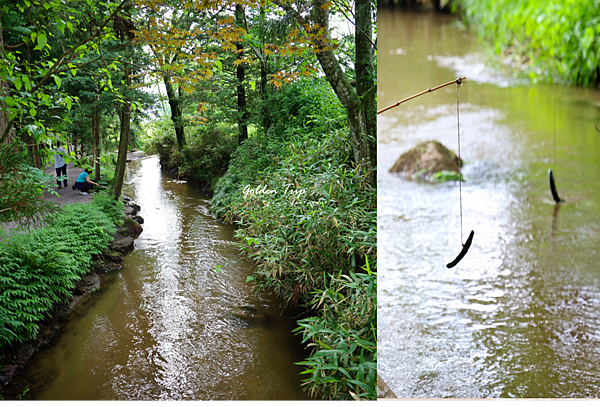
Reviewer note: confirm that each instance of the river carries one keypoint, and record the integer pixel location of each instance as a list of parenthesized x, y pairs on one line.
[(519, 316), (171, 325)]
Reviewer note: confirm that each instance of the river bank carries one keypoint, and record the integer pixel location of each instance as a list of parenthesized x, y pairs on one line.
[(179, 321), (518, 316), (15, 358)]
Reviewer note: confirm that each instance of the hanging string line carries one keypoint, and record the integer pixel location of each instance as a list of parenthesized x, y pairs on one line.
[(554, 83), (458, 83)]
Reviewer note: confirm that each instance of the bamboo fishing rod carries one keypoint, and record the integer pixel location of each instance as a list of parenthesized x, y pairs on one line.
[(458, 81), (398, 103)]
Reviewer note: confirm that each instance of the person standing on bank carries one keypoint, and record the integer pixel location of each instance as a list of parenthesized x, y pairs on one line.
[(59, 165), (84, 183)]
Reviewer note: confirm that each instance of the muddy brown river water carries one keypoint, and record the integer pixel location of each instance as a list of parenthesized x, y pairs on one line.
[(169, 326), (519, 316)]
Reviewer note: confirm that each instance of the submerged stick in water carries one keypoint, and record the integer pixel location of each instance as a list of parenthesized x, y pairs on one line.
[(464, 251), (553, 187)]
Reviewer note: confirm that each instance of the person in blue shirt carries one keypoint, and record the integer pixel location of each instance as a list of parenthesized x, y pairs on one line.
[(84, 183), (59, 165)]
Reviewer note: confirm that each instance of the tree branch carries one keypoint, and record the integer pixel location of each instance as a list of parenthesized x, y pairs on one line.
[(63, 58)]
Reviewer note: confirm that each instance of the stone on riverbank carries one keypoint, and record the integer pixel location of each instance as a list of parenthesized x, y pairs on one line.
[(130, 210), (122, 244), (133, 227)]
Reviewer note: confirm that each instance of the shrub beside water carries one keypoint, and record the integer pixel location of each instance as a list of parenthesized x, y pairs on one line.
[(542, 36), (310, 225), (38, 269), (205, 157)]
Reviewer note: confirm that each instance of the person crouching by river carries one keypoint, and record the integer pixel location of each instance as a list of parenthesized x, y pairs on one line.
[(84, 183)]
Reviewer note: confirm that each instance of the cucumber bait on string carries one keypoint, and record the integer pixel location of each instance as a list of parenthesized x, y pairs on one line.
[(459, 81), (467, 244)]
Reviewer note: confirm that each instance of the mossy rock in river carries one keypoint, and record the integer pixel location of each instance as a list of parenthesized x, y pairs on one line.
[(426, 159)]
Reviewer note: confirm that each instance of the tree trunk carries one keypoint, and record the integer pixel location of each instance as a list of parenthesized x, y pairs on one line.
[(265, 111), (96, 137), (7, 132), (342, 87), (365, 82), (74, 144), (264, 80), (123, 136), (176, 112), (241, 91), (34, 151)]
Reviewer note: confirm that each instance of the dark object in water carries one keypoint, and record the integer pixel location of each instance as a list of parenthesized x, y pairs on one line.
[(464, 251), (248, 317), (553, 187)]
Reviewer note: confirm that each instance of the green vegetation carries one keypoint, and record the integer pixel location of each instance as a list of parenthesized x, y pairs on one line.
[(345, 334), (302, 135), (548, 39), (252, 92), (310, 224), (39, 268), (445, 175), (205, 155), (21, 186)]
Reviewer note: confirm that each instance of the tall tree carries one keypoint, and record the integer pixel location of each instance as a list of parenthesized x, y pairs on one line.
[(365, 71), (176, 109), (173, 30), (341, 84), (96, 139), (126, 31), (359, 106), (241, 76), (47, 39), (30, 73), (4, 93)]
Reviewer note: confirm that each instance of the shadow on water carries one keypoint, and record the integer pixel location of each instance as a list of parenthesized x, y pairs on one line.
[(519, 316), (172, 325)]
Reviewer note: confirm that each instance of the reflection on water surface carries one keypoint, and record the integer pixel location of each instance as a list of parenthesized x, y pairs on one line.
[(169, 326), (520, 314)]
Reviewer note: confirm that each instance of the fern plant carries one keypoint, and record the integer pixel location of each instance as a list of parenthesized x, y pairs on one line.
[(38, 269)]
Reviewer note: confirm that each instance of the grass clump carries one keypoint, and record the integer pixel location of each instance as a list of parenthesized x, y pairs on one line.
[(345, 334), (446, 175)]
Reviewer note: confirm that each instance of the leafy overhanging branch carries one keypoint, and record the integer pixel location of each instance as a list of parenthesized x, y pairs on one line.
[(54, 68)]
